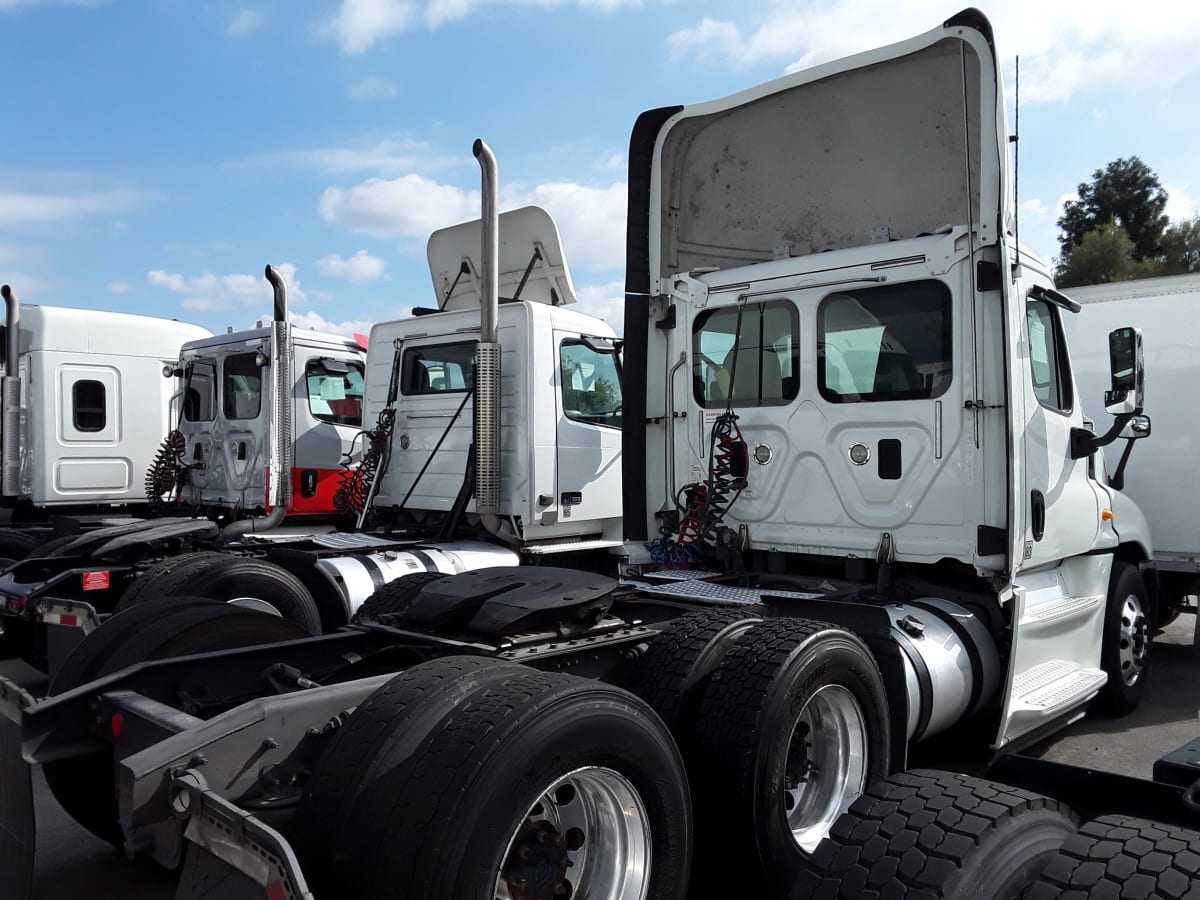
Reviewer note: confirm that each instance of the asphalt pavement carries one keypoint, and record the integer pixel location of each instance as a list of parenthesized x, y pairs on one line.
[(74, 865)]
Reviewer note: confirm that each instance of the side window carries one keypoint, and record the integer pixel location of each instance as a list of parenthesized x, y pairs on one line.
[(591, 384), (242, 387), (1048, 357), (335, 391), (87, 403), (200, 391), (436, 369), (885, 343), (763, 369)]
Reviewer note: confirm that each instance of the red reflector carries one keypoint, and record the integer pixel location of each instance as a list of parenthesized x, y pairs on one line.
[(16, 604), (275, 891), (95, 581), (116, 725), (68, 619)]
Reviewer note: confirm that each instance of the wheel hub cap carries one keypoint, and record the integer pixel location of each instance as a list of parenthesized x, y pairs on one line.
[(1133, 640), (826, 767), (587, 835)]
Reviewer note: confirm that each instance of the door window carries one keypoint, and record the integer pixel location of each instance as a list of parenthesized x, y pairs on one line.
[(761, 371), (335, 391), (591, 384), (242, 387), (88, 405), (1048, 364), (885, 343), (437, 368)]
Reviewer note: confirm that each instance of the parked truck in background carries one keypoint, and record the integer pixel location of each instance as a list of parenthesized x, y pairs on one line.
[(1165, 473), (84, 407), (338, 530), (859, 513)]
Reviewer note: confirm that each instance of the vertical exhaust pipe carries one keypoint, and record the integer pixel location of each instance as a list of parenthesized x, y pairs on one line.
[(279, 494), (10, 397), (487, 358)]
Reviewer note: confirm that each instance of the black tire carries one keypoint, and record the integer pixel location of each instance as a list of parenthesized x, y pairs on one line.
[(675, 670), (1125, 652), (395, 597), (421, 697), (167, 578), (1119, 857), (938, 835), (222, 577), (749, 746), (85, 786), (16, 545), (451, 809)]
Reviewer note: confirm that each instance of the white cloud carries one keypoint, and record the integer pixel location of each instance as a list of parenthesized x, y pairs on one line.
[(359, 268), (393, 155), (209, 292), (591, 219), (118, 287), (409, 206), (1035, 208), (604, 301), (19, 209), (372, 88), (1181, 206), (360, 24), (1064, 46), (309, 320), (244, 23)]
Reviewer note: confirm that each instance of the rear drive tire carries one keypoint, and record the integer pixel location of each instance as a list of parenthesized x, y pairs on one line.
[(1119, 856), (85, 786), (229, 579), (1125, 652), (938, 835), (406, 708), (395, 597), (792, 728), (16, 545), (675, 670), (537, 783)]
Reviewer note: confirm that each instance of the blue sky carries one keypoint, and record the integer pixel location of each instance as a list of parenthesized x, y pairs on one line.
[(156, 153)]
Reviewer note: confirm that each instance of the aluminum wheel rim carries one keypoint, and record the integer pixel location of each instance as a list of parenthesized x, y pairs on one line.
[(1133, 640), (587, 835), (255, 605), (826, 764)]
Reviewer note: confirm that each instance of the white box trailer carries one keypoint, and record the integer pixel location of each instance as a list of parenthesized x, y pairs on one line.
[(1163, 477)]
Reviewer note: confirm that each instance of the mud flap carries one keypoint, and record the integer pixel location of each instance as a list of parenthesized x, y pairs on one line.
[(231, 853), (17, 822)]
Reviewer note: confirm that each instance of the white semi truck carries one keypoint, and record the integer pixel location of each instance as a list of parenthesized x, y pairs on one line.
[(1165, 471), (859, 512), (84, 407), (267, 451)]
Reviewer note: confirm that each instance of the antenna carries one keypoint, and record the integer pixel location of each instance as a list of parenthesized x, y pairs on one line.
[(1015, 140)]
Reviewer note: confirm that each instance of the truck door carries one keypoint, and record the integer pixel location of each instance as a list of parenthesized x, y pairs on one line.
[(589, 428), (1059, 586), (327, 414)]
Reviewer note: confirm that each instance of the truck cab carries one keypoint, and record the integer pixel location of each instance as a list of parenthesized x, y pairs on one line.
[(230, 410), (854, 373)]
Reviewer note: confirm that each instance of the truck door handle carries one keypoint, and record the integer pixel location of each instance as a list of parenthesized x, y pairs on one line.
[(1038, 514)]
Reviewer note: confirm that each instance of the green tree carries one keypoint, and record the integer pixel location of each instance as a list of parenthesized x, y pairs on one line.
[(1181, 249), (1104, 255), (1125, 193)]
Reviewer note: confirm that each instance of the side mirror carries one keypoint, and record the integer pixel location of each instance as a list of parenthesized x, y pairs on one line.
[(1137, 427), (1128, 372)]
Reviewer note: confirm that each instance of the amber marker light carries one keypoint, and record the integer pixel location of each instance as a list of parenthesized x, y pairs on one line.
[(1106, 515)]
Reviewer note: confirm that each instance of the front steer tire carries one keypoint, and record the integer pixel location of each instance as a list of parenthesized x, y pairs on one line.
[(533, 780), (793, 726), (926, 834), (1125, 651)]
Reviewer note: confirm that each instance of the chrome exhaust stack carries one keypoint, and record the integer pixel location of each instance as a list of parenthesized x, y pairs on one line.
[(10, 397), (487, 357), (279, 489)]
